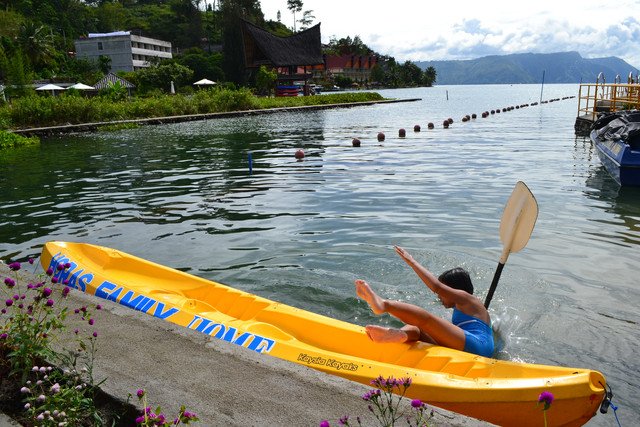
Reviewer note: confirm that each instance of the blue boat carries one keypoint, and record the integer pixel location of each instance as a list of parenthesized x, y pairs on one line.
[(617, 140)]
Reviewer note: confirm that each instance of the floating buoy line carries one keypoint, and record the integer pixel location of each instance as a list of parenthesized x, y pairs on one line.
[(446, 123)]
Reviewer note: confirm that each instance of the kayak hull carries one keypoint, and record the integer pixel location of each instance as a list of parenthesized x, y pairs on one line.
[(500, 392)]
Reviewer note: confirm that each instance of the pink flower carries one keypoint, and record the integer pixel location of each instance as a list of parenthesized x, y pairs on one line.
[(416, 403), (15, 266), (324, 423), (546, 397), (140, 393)]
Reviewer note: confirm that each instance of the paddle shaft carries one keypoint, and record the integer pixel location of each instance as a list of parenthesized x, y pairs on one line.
[(494, 285)]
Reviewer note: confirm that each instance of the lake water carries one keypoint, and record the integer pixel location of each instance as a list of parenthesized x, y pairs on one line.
[(300, 232)]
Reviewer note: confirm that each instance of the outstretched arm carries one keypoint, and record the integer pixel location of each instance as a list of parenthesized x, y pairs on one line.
[(427, 277)]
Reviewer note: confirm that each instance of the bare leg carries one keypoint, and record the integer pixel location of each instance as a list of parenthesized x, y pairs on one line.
[(364, 291), (432, 328), (386, 335)]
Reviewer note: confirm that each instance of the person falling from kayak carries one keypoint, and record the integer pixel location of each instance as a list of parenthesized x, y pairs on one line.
[(469, 329)]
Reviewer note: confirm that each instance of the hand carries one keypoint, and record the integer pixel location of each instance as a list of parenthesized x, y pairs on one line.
[(404, 255)]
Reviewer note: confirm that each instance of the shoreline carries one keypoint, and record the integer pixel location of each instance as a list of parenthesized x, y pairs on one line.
[(222, 383), (91, 127)]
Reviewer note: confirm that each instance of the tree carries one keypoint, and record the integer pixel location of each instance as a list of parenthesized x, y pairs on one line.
[(306, 20), (410, 74), (265, 80), (204, 65), (161, 76), (294, 6), (429, 77), (36, 42)]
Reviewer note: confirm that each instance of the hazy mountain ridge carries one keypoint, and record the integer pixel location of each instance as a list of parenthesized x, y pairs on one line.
[(561, 67)]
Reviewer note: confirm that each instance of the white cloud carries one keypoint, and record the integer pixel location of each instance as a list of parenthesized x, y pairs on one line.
[(466, 29)]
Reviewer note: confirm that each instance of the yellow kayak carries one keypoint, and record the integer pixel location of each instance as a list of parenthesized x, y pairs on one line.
[(497, 391)]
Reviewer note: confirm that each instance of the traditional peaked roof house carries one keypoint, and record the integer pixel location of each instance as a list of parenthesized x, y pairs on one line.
[(356, 67), (293, 57), (110, 79)]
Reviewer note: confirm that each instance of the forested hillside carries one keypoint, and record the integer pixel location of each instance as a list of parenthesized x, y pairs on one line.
[(562, 67)]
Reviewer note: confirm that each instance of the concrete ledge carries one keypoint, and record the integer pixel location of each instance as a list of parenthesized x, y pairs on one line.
[(91, 127)]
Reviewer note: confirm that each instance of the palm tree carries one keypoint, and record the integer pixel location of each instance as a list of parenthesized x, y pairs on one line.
[(36, 42)]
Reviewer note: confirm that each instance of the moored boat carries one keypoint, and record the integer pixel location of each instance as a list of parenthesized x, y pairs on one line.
[(501, 392), (617, 140)]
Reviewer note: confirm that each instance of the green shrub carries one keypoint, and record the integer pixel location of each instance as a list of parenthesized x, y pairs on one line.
[(10, 140)]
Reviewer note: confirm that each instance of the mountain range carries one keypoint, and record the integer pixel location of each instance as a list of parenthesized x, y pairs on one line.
[(560, 67)]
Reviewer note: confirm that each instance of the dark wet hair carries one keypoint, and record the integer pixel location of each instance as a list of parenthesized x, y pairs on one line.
[(457, 278)]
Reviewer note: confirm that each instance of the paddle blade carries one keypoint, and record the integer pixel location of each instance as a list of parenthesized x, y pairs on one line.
[(519, 218)]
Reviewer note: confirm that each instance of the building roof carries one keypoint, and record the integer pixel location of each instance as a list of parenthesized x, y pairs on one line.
[(110, 79), (263, 48)]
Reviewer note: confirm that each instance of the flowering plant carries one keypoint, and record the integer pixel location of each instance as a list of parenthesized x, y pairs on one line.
[(150, 418), (546, 398), (385, 403), (31, 320)]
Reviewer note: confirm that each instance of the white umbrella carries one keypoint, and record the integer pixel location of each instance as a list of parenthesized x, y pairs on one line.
[(50, 87), (204, 82), (81, 86)]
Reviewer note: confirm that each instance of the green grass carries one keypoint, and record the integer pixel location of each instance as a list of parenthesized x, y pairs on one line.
[(41, 111)]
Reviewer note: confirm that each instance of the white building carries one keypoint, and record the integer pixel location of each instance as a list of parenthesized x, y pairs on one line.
[(127, 52)]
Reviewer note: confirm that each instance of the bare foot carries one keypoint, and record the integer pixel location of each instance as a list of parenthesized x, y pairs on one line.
[(385, 335), (364, 291)]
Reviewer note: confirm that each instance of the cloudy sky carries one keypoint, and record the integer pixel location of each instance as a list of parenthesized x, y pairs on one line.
[(460, 29)]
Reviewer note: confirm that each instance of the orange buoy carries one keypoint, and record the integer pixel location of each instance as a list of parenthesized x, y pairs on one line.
[(401, 133), (416, 128), (299, 154), (380, 136), (355, 142)]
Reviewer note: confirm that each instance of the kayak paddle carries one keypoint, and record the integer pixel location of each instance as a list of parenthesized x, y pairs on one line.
[(518, 219)]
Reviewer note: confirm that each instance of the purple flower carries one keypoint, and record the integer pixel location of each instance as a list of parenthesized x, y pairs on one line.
[(416, 403), (9, 302), (67, 265), (95, 334), (9, 282), (60, 267), (98, 307), (49, 271), (91, 321), (65, 282), (140, 419), (31, 260), (15, 266), (4, 336), (75, 331), (49, 303), (46, 292), (324, 423), (66, 291), (140, 393), (344, 420), (546, 397)]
